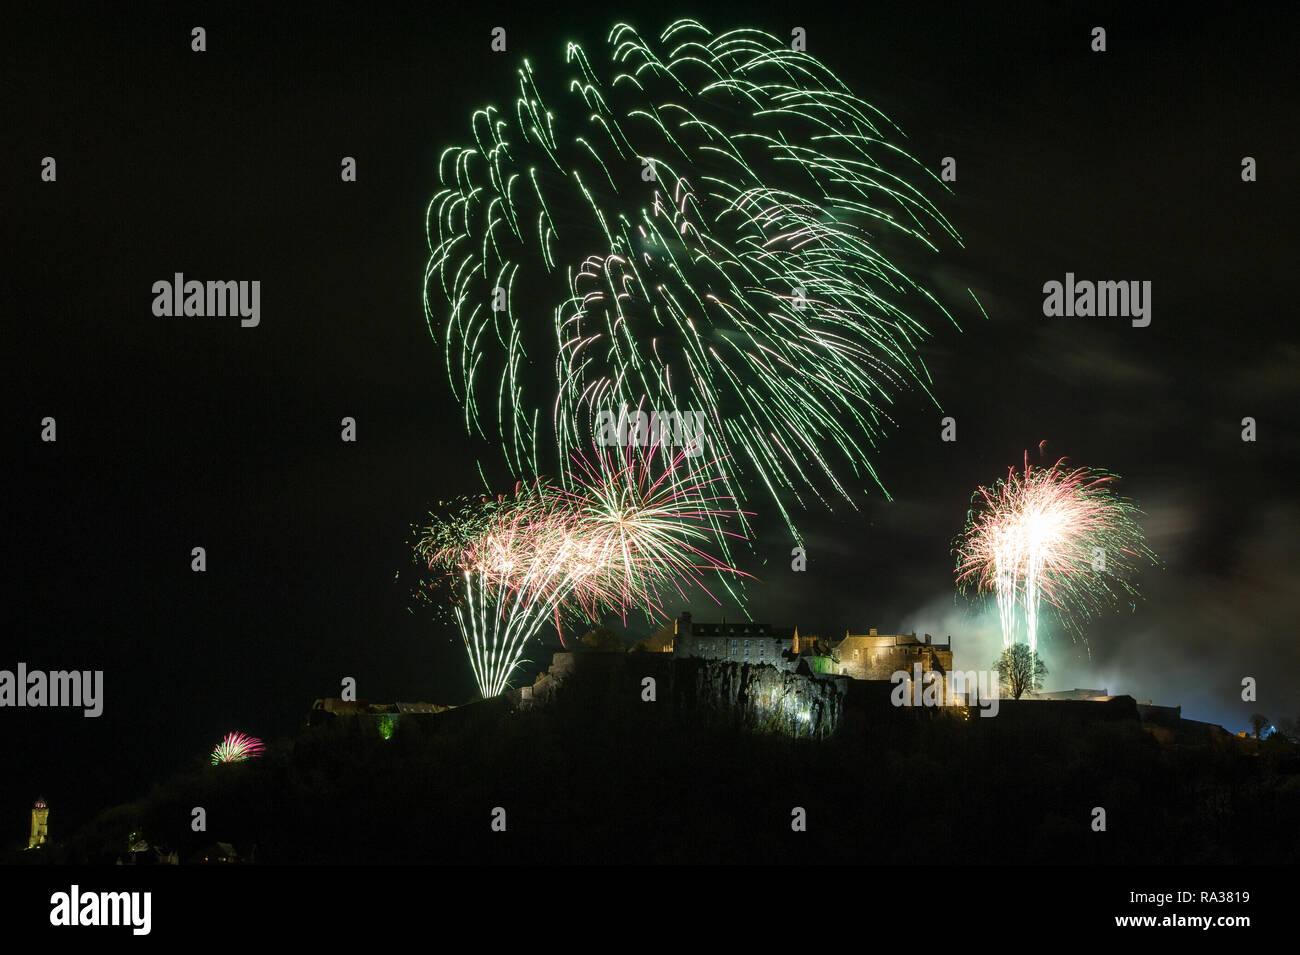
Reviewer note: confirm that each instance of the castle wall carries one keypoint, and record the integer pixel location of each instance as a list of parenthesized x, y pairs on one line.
[(869, 656), (881, 661), (753, 649)]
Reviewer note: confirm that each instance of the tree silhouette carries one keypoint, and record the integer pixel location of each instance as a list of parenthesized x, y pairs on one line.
[(1020, 670), (1258, 721)]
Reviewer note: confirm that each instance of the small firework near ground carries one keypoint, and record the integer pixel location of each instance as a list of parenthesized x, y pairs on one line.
[(236, 748)]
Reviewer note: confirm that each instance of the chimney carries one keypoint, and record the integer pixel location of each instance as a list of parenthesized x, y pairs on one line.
[(927, 638)]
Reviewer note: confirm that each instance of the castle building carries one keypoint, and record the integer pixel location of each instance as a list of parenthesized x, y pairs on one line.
[(877, 656), (864, 656), (737, 642), (40, 825)]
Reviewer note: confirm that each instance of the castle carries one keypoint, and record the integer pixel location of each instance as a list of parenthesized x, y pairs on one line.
[(867, 656)]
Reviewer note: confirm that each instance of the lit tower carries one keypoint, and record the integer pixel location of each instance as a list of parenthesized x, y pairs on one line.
[(40, 825)]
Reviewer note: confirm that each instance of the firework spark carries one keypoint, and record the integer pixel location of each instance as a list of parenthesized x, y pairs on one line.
[(1055, 535), (706, 216), (236, 748), (630, 532)]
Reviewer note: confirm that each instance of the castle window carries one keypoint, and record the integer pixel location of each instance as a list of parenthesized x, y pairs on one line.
[(746, 643)]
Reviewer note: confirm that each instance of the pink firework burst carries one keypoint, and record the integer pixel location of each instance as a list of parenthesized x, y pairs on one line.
[(236, 748)]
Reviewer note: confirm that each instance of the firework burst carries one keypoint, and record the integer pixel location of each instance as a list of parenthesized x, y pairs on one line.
[(236, 748), (1055, 536), (629, 532), (648, 524), (710, 220)]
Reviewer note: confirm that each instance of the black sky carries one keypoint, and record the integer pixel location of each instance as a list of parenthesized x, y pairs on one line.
[(181, 432)]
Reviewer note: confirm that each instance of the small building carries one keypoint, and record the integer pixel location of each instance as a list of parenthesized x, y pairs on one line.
[(217, 853)]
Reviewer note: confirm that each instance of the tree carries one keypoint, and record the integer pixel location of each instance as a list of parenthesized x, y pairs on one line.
[(603, 638), (1020, 670), (1258, 721)]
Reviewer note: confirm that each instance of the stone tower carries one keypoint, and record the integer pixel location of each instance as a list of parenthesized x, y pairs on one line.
[(40, 825)]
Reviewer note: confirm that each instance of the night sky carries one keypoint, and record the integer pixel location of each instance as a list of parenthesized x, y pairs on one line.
[(177, 432)]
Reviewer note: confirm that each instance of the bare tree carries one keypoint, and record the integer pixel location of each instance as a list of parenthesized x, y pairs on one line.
[(1020, 670)]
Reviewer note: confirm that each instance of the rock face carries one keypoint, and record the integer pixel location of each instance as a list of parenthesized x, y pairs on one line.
[(756, 696), (764, 698)]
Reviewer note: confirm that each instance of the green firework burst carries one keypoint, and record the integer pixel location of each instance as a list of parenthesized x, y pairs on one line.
[(703, 223)]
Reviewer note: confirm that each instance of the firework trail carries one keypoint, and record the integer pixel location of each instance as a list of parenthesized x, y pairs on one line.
[(1055, 535), (236, 748), (705, 218), (624, 536), (512, 573)]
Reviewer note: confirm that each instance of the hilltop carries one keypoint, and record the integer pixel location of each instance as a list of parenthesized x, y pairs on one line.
[(594, 773)]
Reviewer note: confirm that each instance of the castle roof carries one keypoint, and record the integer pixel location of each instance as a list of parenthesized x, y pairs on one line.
[(873, 639), (747, 629)]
